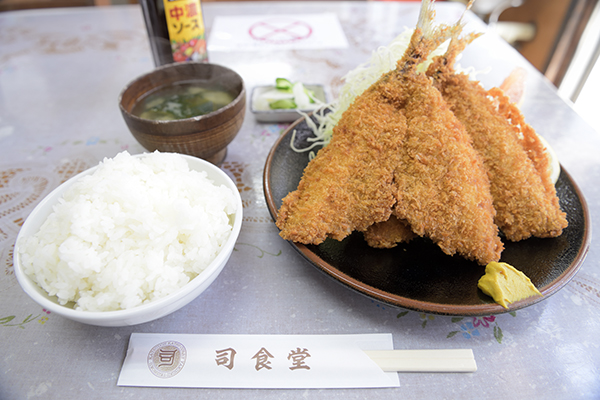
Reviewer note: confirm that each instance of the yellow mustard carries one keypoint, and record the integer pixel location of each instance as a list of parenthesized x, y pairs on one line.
[(506, 284)]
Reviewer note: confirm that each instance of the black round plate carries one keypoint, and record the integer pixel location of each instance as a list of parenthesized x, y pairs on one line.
[(418, 275)]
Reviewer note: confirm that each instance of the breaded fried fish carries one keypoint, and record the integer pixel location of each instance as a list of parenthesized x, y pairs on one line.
[(524, 195), (349, 184), (398, 148), (443, 191)]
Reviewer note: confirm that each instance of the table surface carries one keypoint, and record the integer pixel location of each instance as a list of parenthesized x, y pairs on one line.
[(61, 72)]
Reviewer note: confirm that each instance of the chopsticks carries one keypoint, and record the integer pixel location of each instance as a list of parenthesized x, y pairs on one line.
[(449, 360)]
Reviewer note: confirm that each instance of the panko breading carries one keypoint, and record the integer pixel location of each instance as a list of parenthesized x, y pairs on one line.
[(387, 234), (398, 146), (443, 191), (524, 195), (349, 184)]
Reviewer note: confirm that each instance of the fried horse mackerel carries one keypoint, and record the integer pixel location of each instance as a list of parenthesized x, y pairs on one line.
[(402, 163), (518, 168)]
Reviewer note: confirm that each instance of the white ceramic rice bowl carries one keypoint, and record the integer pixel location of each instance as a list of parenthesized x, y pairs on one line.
[(146, 312)]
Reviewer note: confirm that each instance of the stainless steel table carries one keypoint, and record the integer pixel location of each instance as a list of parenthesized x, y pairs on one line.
[(61, 72)]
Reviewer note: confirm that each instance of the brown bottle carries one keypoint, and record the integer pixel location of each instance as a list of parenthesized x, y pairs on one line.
[(175, 30)]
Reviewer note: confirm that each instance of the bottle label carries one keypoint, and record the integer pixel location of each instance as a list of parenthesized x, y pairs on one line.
[(186, 30)]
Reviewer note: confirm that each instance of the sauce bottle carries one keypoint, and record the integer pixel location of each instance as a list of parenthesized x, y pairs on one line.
[(175, 30)]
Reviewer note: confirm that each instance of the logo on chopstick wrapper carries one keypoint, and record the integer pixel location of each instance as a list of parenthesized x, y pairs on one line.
[(167, 359)]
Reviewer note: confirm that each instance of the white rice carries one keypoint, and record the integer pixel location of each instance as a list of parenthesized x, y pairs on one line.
[(135, 230)]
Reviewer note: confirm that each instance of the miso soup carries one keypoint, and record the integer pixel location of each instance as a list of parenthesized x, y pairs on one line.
[(182, 100)]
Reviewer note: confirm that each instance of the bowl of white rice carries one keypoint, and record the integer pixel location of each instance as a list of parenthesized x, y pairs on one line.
[(130, 240)]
